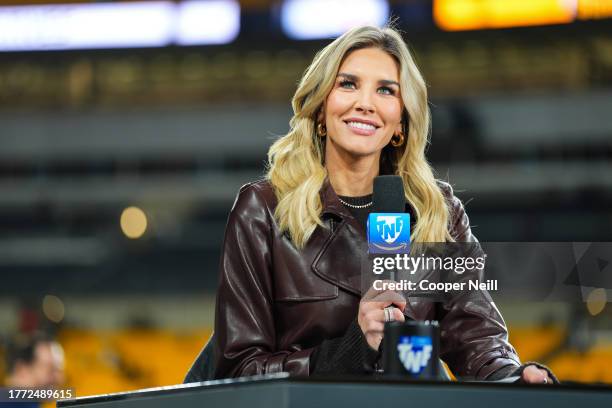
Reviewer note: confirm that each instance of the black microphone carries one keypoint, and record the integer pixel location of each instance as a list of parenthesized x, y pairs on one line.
[(389, 195)]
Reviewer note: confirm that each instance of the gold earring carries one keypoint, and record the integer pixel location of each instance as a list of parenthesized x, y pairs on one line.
[(398, 139), (321, 130)]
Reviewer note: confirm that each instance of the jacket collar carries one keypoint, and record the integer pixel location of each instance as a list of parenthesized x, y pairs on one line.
[(331, 203)]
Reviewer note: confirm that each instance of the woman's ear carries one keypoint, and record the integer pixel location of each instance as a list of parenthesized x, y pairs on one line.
[(399, 128), (405, 123), (321, 114)]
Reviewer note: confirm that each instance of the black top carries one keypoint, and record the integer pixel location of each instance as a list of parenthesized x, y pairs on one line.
[(360, 214)]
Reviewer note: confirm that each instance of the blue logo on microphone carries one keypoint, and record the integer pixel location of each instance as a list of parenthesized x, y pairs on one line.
[(414, 352), (389, 233)]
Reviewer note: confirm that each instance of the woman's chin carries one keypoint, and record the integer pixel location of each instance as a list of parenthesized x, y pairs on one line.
[(362, 148), (363, 151)]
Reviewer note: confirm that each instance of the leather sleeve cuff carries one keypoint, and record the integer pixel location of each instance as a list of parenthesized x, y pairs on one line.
[(503, 372), (275, 363), (298, 363)]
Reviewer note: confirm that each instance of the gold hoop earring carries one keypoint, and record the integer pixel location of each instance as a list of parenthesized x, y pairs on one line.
[(321, 130), (398, 139)]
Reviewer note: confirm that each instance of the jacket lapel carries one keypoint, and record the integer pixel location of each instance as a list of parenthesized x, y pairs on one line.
[(340, 259), (341, 255)]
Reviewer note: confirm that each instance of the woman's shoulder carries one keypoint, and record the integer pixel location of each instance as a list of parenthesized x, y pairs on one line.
[(255, 195), (446, 189), (459, 224), (261, 186), (448, 192)]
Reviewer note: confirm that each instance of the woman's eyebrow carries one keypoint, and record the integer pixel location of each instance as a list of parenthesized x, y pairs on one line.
[(350, 77), (388, 82), (355, 78)]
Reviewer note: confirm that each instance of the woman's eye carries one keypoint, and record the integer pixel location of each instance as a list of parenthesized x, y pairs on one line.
[(386, 90), (347, 84)]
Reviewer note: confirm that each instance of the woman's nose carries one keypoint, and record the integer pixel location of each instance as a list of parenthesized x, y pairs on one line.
[(364, 103)]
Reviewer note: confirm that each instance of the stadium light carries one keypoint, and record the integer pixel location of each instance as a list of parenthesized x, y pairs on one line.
[(455, 15), (118, 25), (133, 222), (314, 19), (594, 9)]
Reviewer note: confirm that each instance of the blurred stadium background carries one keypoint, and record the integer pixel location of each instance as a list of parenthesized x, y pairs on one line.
[(123, 143)]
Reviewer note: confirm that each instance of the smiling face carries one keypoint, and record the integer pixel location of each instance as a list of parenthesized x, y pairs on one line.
[(364, 108)]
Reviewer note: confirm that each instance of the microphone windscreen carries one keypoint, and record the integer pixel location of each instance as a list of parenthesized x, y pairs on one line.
[(389, 194)]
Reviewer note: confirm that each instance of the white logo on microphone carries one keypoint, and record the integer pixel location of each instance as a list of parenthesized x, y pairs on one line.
[(389, 227), (416, 354)]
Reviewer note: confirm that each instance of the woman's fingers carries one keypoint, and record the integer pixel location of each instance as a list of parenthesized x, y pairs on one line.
[(380, 299), (534, 375), (374, 323), (372, 327), (372, 318), (398, 316)]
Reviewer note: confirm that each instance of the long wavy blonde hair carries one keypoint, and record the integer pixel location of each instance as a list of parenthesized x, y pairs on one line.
[(295, 161)]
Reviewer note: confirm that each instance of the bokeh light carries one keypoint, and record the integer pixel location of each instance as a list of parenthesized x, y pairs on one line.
[(133, 222), (53, 308), (596, 301)]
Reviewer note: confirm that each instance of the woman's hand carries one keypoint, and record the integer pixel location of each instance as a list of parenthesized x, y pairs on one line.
[(534, 375), (371, 316)]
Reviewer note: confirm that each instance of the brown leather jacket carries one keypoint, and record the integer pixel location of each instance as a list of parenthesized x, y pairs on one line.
[(276, 304)]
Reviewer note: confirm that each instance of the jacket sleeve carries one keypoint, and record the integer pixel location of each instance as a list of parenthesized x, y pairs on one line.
[(474, 338), (244, 315), (348, 355)]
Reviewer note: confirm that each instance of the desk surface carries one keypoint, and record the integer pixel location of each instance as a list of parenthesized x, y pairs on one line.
[(279, 391)]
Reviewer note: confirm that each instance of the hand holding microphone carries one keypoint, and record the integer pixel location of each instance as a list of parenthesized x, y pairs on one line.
[(375, 309)]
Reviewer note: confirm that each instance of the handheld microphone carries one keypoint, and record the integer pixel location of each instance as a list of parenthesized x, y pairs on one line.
[(410, 349), (388, 198), (388, 223), (389, 195)]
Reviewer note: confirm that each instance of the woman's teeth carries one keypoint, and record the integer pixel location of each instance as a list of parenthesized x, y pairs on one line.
[(360, 125)]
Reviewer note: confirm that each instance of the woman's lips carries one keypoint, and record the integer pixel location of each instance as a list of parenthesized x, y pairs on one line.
[(360, 128)]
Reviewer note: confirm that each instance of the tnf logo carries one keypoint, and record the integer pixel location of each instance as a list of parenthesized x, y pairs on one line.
[(388, 233), (414, 352)]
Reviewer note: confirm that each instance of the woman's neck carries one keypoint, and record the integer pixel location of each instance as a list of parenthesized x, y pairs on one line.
[(352, 178)]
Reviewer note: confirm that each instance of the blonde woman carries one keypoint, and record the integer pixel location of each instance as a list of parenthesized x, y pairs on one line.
[(289, 294)]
